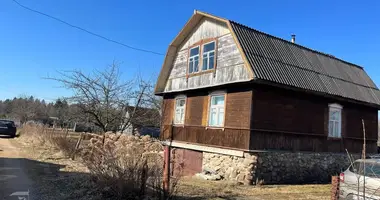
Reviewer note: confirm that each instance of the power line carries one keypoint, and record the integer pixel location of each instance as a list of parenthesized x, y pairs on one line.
[(87, 31)]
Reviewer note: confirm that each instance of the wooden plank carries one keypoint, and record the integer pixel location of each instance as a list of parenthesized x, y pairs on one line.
[(229, 68), (207, 28)]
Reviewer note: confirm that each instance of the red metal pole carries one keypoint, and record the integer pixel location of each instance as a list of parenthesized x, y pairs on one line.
[(166, 181)]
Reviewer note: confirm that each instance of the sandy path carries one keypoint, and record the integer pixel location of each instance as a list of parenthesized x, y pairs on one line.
[(13, 176)]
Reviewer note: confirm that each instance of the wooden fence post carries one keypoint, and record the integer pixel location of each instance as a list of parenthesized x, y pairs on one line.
[(67, 131), (77, 146), (335, 187), (166, 181)]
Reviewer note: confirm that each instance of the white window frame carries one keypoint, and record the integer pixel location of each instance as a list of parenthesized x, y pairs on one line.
[(193, 57), (217, 107), (208, 56), (335, 108), (181, 109)]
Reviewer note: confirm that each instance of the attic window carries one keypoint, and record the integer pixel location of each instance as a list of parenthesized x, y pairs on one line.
[(335, 120), (194, 60), (208, 56)]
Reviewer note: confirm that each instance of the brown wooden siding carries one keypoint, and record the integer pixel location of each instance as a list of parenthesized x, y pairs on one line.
[(287, 120), (238, 109), (235, 133)]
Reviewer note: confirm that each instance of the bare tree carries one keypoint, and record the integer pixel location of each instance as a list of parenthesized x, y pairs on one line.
[(102, 97)]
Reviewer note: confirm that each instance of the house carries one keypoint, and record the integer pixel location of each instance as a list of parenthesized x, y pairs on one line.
[(255, 107), (142, 121)]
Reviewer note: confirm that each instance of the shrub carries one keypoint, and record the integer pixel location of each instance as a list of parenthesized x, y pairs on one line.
[(126, 167), (37, 133)]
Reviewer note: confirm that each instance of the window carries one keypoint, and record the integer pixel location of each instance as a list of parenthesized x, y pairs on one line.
[(208, 56), (194, 60), (180, 104), (372, 169), (216, 111), (335, 120)]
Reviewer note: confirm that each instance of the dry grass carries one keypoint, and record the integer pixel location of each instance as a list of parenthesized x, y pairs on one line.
[(200, 189), (43, 136), (127, 166), (80, 185)]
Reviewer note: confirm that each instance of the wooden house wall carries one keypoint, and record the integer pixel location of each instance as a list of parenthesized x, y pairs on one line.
[(235, 133), (230, 66), (287, 120)]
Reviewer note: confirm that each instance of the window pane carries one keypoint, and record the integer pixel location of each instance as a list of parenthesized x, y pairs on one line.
[(196, 63), (209, 47), (218, 100), (205, 62), (211, 61), (182, 117), (220, 116), (331, 128), (179, 110), (182, 102), (194, 51), (336, 129), (213, 119), (332, 115), (177, 117), (191, 63)]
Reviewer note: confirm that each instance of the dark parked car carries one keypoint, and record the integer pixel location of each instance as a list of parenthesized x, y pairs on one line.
[(7, 127)]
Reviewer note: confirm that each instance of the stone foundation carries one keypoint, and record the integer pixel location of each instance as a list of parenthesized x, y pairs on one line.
[(276, 167), (241, 169)]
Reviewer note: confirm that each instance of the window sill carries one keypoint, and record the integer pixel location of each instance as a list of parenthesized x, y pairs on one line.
[(334, 138), (201, 72), (215, 127), (179, 125)]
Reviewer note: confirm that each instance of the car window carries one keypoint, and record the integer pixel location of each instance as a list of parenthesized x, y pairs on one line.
[(372, 170), (6, 123), (355, 167)]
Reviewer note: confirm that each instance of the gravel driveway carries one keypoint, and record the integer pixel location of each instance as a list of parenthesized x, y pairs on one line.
[(13, 178)]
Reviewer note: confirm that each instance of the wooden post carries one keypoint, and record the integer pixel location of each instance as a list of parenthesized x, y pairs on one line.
[(335, 187), (77, 146), (166, 180), (67, 131)]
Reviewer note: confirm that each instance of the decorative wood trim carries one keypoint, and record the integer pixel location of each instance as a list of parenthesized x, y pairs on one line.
[(201, 72), (205, 111), (214, 93), (285, 132), (200, 43), (208, 148), (334, 138), (215, 56)]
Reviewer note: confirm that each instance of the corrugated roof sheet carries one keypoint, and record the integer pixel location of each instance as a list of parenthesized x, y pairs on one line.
[(276, 60)]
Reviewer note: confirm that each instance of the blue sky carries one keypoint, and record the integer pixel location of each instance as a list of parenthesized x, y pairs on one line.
[(33, 46)]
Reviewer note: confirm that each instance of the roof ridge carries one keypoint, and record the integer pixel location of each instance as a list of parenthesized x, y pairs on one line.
[(298, 45)]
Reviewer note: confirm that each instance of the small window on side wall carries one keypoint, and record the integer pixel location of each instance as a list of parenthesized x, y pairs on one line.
[(194, 60), (180, 108), (216, 110), (335, 120)]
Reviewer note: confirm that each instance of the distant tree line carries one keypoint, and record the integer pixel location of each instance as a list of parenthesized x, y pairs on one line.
[(23, 109)]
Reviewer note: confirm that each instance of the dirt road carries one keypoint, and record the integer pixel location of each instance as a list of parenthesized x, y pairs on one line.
[(14, 182)]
